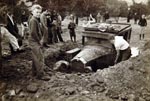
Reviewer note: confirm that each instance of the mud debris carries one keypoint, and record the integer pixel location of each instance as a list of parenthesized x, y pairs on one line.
[(32, 88)]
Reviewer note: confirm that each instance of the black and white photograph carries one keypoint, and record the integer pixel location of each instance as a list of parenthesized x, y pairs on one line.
[(74, 50)]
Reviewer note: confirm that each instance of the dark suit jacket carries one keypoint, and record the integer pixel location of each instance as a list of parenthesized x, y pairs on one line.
[(12, 28), (35, 30)]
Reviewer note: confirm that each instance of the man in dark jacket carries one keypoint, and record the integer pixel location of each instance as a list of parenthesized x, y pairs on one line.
[(36, 43), (13, 29), (106, 16)]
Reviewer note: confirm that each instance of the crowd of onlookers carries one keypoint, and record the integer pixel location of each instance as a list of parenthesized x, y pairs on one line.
[(50, 26), (41, 28)]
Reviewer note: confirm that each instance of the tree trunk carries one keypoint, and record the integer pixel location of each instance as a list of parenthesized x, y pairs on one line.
[(0, 53)]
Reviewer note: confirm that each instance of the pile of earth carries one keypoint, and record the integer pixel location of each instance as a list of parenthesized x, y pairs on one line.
[(126, 81)]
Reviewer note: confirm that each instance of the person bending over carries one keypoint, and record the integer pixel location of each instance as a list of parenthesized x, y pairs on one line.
[(122, 47)]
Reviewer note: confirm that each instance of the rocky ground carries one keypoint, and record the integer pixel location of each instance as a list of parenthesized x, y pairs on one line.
[(126, 81)]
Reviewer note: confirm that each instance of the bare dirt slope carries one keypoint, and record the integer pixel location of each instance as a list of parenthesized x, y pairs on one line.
[(126, 81)]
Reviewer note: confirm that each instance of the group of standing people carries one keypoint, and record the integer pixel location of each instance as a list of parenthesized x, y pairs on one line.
[(51, 27), (99, 17), (44, 29), (102, 18)]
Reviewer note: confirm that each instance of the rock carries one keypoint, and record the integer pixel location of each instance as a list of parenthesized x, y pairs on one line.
[(146, 94), (124, 98), (70, 91), (72, 81), (100, 80), (32, 88), (18, 90), (96, 87), (11, 93), (80, 88), (85, 92), (141, 99), (112, 94), (147, 97), (131, 97)]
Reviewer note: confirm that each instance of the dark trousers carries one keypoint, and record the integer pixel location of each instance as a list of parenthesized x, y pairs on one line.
[(50, 36), (45, 35), (124, 54), (72, 35), (59, 34), (54, 34), (128, 19)]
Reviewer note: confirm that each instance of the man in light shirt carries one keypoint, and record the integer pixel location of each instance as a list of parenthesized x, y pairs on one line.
[(122, 47)]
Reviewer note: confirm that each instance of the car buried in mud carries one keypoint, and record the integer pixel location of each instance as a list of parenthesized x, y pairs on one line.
[(97, 51)]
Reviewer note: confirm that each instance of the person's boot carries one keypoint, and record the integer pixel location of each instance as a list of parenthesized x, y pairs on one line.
[(143, 36), (140, 36), (74, 39), (71, 39)]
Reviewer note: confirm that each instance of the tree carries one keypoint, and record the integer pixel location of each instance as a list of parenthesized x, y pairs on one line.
[(139, 8), (148, 6), (123, 8)]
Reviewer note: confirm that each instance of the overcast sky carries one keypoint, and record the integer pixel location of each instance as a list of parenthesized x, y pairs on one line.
[(138, 1)]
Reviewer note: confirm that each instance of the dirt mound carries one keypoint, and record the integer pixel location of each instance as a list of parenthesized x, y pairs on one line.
[(147, 45), (126, 81), (128, 77)]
